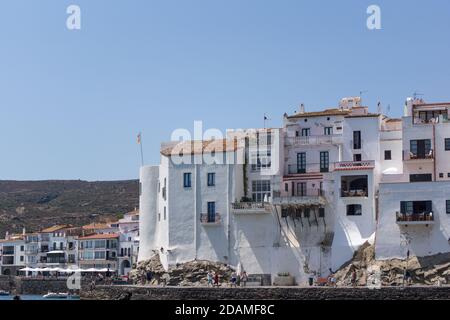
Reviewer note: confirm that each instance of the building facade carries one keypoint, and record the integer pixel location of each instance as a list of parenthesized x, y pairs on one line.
[(302, 198)]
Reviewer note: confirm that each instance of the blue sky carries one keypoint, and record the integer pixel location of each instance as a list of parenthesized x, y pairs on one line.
[(72, 102)]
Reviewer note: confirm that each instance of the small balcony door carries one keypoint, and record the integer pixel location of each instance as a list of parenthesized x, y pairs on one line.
[(301, 162), (211, 211), (324, 161), (301, 189)]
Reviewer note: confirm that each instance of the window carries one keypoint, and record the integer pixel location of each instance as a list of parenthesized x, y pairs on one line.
[(21, 258), (306, 132), (447, 144), (321, 212), (187, 183), (415, 207), (22, 248), (387, 155), (357, 157), (261, 160), (261, 190), (420, 177), (328, 131), (211, 179), (356, 140), (324, 161), (286, 187), (100, 255), (301, 189), (420, 149), (306, 213), (354, 210), (441, 175), (301, 162), (447, 206)]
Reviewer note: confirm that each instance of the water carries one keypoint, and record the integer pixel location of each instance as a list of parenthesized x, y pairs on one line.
[(34, 297)]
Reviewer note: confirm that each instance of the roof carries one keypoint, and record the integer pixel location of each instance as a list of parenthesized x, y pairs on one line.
[(199, 147), (394, 120), (367, 115), (56, 228), (434, 104), (100, 236), (13, 238), (326, 112), (95, 225)]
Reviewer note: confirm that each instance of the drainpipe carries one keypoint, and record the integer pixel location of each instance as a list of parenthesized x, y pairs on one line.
[(434, 150)]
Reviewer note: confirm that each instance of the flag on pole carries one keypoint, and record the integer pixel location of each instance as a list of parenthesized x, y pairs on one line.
[(139, 138)]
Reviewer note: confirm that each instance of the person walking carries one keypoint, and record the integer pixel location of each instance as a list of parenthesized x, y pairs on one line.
[(244, 278), (233, 279), (216, 279), (209, 278)]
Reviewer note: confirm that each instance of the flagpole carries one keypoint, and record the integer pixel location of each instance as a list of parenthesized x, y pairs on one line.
[(140, 143)]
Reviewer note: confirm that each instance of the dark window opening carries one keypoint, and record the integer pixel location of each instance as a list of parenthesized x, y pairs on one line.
[(187, 179), (354, 210), (357, 157), (387, 155), (356, 140), (425, 177)]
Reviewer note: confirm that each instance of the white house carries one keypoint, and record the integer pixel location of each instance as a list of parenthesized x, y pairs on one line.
[(415, 204)]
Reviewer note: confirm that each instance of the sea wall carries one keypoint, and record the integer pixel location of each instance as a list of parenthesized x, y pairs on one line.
[(33, 286), (264, 293)]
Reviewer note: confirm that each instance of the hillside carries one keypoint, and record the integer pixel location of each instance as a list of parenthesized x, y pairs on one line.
[(37, 204)]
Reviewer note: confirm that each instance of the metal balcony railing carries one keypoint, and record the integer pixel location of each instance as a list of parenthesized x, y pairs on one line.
[(354, 165), (408, 155), (415, 217), (207, 218)]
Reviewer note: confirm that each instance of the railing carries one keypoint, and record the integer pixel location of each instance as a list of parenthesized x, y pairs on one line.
[(315, 140), (415, 217), (250, 207), (354, 165), (206, 218), (8, 252), (31, 251), (354, 193), (308, 168), (408, 155)]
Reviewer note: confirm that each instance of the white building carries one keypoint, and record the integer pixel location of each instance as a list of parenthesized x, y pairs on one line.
[(12, 254), (303, 200), (415, 204)]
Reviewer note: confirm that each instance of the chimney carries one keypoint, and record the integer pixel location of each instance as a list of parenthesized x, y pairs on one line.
[(302, 108)]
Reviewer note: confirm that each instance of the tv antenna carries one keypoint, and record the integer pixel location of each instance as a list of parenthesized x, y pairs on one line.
[(416, 94)]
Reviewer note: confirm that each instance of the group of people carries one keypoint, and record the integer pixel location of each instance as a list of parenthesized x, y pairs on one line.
[(213, 279)]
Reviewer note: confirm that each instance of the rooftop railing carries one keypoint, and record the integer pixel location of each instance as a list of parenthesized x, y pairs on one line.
[(315, 140)]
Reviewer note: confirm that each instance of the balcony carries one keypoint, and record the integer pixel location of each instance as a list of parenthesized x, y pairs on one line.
[(250, 207), (423, 218), (308, 197), (314, 140), (31, 251), (210, 219), (418, 156), (8, 252), (354, 165), (309, 168)]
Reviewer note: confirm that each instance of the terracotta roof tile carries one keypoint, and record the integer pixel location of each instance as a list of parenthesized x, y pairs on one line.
[(200, 146), (100, 236)]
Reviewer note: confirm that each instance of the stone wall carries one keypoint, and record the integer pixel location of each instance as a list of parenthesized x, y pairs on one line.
[(32, 286), (265, 293)]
